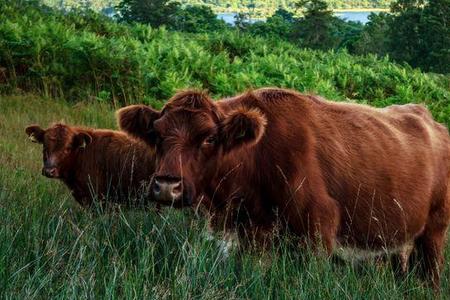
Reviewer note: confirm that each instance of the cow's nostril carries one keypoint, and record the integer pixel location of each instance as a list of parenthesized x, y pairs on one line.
[(49, 172), (176, 188), (156, 187)]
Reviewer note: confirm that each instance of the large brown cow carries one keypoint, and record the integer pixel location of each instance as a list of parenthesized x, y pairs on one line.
[(95, 164), (348, 175)]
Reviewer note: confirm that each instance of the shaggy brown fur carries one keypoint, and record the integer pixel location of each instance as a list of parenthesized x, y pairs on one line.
[(345, 174), (95, 164)]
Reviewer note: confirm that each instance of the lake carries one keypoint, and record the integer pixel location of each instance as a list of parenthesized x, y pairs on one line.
[(360, 16), (357, 16)]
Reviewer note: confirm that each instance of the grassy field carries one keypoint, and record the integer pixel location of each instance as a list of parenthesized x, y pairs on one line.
[(51, 248)]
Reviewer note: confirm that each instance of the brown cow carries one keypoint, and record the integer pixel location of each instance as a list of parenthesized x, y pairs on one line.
[(95, 164), (349, 175)]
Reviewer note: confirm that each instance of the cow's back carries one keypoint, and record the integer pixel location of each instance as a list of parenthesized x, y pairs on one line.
[(114, 166), (385, 168)]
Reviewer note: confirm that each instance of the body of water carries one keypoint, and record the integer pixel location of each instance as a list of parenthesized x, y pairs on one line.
[(358, 16), (229, 18)]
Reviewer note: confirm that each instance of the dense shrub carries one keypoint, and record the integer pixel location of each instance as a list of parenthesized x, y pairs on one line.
[(76, 56)]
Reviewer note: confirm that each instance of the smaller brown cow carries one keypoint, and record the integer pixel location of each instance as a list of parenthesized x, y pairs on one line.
[(350, 176), (95, 164)]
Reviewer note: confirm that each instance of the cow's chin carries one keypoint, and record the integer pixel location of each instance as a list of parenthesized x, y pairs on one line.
[(184, 201), (181, 202)]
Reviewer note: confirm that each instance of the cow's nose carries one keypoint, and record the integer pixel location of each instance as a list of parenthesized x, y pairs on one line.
[(165, 190), (49, 172)]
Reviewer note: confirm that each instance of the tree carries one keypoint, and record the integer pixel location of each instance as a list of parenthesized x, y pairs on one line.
[(198, 18), (420, 34), (404, 31), (346, 34), (284, 15), (374, 37), (316, 30), (153, 12), (241, 21), (280, 24), (435, 36)]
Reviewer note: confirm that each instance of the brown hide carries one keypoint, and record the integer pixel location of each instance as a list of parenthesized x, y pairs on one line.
[(349, 174), (96, 164)]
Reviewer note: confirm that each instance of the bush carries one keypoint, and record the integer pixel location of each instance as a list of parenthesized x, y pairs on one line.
[(77, 56)]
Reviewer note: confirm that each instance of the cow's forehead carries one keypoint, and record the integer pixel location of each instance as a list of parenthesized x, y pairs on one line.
[(186, 118), (57, 135)]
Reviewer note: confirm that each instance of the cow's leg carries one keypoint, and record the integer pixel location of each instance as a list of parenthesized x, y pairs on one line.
[(310, 211), (399, 261), (317, 222), (228, 242), (430, 247), (323, 223), (430, 244)]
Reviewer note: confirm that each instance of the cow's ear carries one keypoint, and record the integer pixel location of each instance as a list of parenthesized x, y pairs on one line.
[(81, 140), (35, 133), (242, 127), (137, 120)]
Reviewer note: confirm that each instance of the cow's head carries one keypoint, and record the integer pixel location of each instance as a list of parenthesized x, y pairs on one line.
[(191, 136), (61, 144)]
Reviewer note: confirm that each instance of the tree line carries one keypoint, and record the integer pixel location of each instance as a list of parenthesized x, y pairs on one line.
[(260, 8), (415, 31), (264, 8)]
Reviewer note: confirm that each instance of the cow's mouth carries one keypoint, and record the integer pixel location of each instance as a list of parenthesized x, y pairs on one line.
[(171, 193), (50, 172)]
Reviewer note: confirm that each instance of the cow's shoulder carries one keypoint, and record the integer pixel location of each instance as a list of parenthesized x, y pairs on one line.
[(274, 94), (411, 109)]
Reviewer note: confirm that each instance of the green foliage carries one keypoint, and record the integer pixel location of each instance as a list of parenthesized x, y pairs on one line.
[(196, 19), (280, 25), (436, 36), (193, 19), (417, 33), (404, 32), (374, 37), (96, 5), (420, 34), (316, 29), (241, 20), (80, 56), (257, 8), (261, 8), (152, 12)]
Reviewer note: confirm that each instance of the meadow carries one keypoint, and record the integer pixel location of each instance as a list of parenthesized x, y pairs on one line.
[(52, 248), (79, 69)]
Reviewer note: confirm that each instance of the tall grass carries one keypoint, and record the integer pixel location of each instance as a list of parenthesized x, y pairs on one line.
[(51, 248)]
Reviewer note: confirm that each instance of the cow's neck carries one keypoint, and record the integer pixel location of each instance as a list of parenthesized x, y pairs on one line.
[(74, 177), (229, 190)]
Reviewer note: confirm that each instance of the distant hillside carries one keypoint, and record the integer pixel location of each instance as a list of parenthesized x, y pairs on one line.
[(268, 6), (260, 7)]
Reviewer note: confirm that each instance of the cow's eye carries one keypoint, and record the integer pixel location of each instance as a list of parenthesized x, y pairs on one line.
[(154, 137), (210, 140)]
